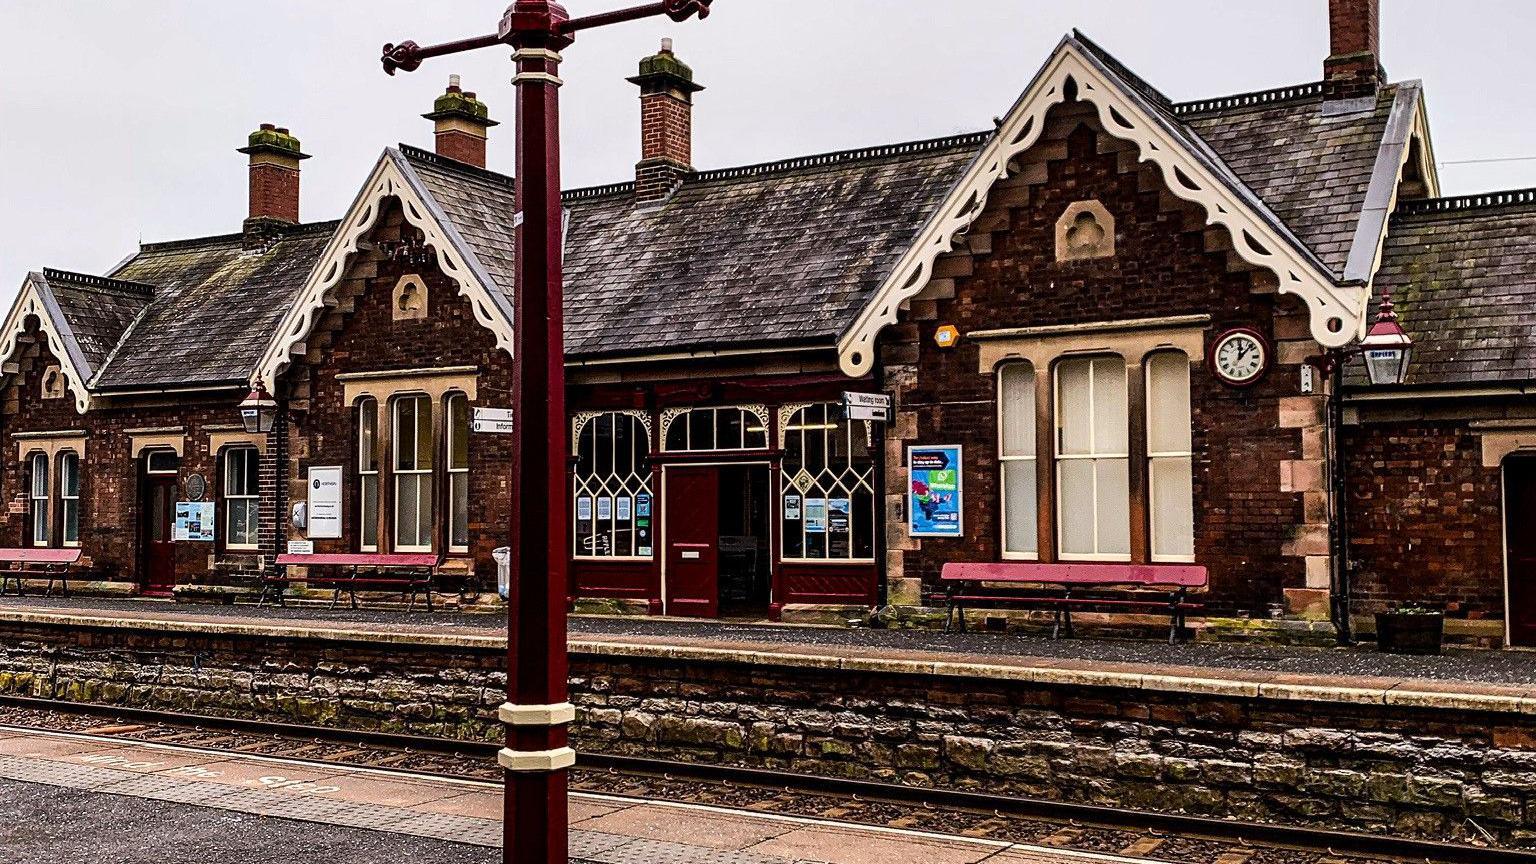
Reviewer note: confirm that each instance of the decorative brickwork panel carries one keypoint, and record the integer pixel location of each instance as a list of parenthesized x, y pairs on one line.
[(1425, 518), (1250, 530)]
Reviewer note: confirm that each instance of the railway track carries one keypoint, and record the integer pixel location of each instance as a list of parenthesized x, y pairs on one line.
[(1070, 827)]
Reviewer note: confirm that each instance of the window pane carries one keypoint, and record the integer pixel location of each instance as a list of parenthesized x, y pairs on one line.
[(405, 433), (701, 429), (367, 434), (1074, 406), (407, 511), (242, 522), (1019, 506), (677, 434), (425, 446), (458, 431), (40, 521), (1017, 400), (460, 490), (39, 476), (1109, 406), (252, 472), (370, 510), (70, 475), (71, 520), (1173, 508), (1114, 503), (424, 511), (1168, 424), (1076, 507)]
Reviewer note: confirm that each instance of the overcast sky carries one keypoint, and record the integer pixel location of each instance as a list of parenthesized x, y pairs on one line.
[(119, 121)]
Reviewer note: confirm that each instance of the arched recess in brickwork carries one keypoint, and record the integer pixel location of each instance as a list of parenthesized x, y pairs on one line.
[(1336, 312), (32, 303), (390, 179)]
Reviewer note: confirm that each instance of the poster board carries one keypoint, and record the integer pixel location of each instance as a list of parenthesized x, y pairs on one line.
[(324, 503), (194, 522), (935, 497)]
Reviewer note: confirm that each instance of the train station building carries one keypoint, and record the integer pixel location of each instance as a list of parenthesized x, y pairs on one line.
[(1105, 315)]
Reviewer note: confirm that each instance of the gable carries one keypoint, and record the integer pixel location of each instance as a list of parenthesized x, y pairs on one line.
[(1190, 170), (36, 300)]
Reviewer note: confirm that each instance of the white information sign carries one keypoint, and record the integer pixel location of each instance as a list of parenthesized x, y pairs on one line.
[(495, 420), (325, 503), (867, 406), (301, 547)]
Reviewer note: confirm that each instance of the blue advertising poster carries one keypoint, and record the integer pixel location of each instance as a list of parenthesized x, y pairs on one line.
[(934, 495)]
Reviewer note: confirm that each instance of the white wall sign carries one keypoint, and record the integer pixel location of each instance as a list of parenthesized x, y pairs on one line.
[(496, 420), (867, 406), (325, 503), (301, 547)]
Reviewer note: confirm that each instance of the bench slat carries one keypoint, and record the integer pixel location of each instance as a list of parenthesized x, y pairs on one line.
[(40, 555), (364, 559), (1185, 575)]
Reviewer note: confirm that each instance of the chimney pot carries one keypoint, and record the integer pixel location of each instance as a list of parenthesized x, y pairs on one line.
[(666, 124), (1353, 68), (461, 122)]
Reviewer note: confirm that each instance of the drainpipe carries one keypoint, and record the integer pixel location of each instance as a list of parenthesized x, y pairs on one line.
[(1338, 533)]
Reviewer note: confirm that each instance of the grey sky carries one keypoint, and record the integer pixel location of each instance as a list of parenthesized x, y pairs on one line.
[(118, 121)]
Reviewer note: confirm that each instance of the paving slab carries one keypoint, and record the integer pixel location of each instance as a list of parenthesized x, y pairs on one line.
[(699, 827), (834, 846)]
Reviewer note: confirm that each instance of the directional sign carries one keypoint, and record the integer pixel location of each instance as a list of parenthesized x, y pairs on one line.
[(497, 420), (867, 406)]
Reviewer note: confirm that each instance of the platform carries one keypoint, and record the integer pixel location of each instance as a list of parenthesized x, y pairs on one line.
[(604, 829), (1501, 681)]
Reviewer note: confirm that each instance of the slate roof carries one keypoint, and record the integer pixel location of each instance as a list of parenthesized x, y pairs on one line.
[(97, 311), (214, 308), (1462, 274)]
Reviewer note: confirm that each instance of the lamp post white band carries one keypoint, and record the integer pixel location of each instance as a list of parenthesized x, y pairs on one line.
[(536, 760), (537, 715)]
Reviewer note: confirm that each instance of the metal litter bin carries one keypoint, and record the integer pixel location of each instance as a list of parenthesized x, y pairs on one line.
[(503, 558)]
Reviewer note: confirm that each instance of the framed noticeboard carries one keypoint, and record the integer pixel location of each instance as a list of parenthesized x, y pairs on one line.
[(324, 503), (935, 497), (194, 522)]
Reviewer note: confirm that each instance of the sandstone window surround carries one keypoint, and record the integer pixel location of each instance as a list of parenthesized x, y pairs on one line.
[(427, 458), (52, 462), (241, 493), (1103, 406), (611, 481)]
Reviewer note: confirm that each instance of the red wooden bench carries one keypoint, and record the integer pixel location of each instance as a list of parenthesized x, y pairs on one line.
[(35, 562), (407, 572), (1054, 586)]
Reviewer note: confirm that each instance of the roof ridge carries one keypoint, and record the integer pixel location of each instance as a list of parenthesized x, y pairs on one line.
[(441, 161), (839, 156), (52, 274), (299, 230), (1505, 198), (1271, 96), (1140, 84)]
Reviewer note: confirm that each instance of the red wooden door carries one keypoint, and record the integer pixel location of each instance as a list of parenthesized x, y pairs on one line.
[(1520, 556), (692, 512), (159, 514)]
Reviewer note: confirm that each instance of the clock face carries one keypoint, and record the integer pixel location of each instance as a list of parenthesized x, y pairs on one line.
[(1240, 357)]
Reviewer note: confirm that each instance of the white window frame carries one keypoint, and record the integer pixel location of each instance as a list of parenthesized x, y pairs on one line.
[(1093, 456), (1004, 460), (754, 413), (248, 495), (451, 473), (68, 502), (612, 485), (367, 454), (39, 496), (847, 478), (399, 473), (1154, 455)]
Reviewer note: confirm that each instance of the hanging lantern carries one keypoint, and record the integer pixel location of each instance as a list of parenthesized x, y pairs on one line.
[(259, 410), (1387, 347)]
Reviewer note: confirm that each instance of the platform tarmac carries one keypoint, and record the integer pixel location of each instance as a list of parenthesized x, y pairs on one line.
[(258, 808)]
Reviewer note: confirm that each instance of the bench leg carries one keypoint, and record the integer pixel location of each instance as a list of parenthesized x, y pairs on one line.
[(336, 596), (1175, 616), (352, 593), (428, 591)]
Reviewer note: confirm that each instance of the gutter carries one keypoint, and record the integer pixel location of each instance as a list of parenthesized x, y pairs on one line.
[(704, 354)]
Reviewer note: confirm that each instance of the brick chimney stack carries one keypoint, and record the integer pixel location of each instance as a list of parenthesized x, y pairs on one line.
[(275, 159), (666, 124), (462, 122), (1353, 68)]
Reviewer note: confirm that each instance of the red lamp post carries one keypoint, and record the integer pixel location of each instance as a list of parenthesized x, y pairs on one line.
[(538, 709)]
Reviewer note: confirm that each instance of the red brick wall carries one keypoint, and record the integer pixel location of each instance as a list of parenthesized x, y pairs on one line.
[(1425, 518), (370, 340), (460, 145), (274, 192), (109, 481), (1161, 268), (666, 128)]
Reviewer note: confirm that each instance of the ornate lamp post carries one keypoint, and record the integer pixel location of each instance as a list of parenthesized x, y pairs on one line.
[(538, 709)]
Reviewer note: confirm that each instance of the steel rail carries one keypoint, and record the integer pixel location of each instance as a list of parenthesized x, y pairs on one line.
[(1204, 827)]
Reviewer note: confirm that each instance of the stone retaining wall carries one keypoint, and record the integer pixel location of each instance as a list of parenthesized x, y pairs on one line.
[(1420, 768)]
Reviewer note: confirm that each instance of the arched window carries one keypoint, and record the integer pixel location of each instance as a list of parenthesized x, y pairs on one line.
[(412, 463), (827, 494), (732, 427), (458, 472), (242, 497), (1016, 453), (69, 497), (368, 475), (39, 499), (612, 500), (1170, 457), (1093, 497)]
